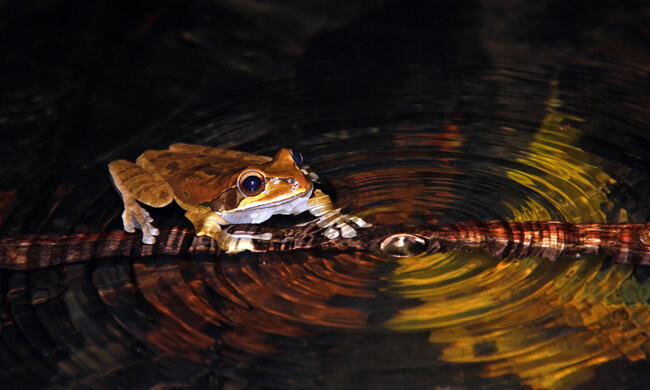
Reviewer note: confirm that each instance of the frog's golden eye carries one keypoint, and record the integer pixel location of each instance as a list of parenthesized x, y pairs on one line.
[(251, 183), (297, 157)]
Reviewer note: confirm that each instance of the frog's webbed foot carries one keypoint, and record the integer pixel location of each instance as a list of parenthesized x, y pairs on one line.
[(335, 223), (136, 217)]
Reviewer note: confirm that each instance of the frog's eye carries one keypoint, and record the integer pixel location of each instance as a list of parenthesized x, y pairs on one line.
[(251, 183), (297, 157)]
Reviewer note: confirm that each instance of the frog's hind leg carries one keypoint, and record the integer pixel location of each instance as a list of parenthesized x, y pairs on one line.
[(136, 183), (321, 206)]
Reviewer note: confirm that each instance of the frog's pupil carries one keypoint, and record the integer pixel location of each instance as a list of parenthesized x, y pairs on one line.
[(297, 157), (251, 184)]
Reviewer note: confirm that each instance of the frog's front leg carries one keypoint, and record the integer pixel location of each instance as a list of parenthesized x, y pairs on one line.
[(135, 183), (209, 224), (320, 205)]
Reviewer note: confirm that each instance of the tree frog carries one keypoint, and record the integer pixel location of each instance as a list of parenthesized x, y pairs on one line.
[(218, 187)]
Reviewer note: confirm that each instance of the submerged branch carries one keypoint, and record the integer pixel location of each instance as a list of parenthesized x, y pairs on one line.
[(625, 243)]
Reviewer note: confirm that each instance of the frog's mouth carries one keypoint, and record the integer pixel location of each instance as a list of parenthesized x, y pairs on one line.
[(260, 214)]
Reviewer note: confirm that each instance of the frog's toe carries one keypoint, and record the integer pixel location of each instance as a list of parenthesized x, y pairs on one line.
[(146, 216), (331, 233), (359, 222), (148, 238), (148, 233), (127, 220), (347, 231), (138, 218), (144, 224)]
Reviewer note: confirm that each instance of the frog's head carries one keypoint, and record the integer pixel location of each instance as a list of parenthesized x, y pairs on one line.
[(260, 191)]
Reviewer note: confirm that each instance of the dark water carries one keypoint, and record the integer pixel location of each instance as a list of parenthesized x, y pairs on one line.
[(429, 113)]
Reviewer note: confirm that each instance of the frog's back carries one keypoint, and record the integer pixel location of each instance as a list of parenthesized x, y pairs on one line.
[(198, 174), (222, 154)]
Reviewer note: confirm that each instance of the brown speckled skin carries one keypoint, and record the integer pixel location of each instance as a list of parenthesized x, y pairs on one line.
[(204, 182), (199, 174)]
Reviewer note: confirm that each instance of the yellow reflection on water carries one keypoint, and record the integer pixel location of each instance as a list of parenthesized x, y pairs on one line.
[(562, 173), (558, 338), (550, 323)]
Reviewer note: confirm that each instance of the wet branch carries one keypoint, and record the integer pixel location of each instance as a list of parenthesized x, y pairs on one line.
[(625, 243)]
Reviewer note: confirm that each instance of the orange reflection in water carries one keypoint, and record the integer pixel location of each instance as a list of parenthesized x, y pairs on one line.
[(415, 183), (188, 322), (302, 288), (236, 303)]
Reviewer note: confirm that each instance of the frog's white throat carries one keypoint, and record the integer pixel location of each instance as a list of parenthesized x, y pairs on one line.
[(260, 214)]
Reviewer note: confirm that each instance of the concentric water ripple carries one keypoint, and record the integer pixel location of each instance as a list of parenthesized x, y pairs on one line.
[(527, 322), (409, 118)]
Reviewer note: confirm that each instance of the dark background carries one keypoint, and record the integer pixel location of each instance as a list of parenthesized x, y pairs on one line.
[(83, 83)]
